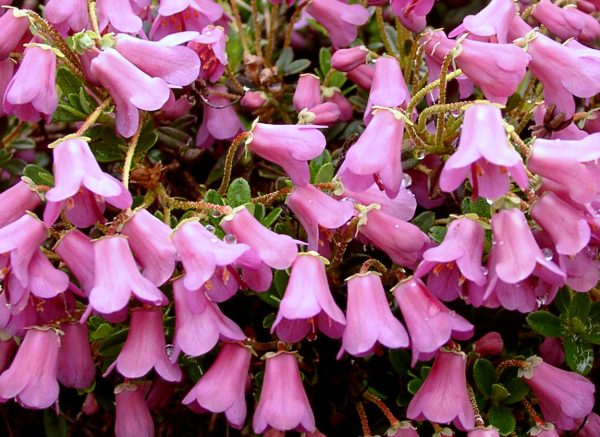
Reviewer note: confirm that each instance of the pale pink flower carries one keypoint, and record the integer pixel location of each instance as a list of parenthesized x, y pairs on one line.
[(76, 250), (253, 100), (492, 21), (119, 14), (567, 22), (73, 13), (75, 363), (340, 19), (323, 114), (210, 47), (132, 414), (489, 431), (412, 12), (178, 15), (13, 30), (403, 206), (15, 201), (307, 93), (220, 121), (348, 59), (388, 88)]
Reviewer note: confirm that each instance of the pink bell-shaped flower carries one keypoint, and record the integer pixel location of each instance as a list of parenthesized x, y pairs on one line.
[(219, 119), (315, 209), (177, 15), (210, 47), (403, 206), (132, 416), (31, 377), (119, 14), (289, 146), (14, 28), (376, 156), (149, 240), (276, 250), (307, 93), (443, 397), (484, 155), (492, 21), (488, 345), (75, 364), (340, 19), (15, 201), (348, 59), (283, 404), (307, 303), (116, 277), (145, 348), (72, 13), (456, 259), (430, 324), (76, 250), (222, 388), (32, 90), (567, 22), (563, 396), (369, 318), (412, 13), (388, 88)]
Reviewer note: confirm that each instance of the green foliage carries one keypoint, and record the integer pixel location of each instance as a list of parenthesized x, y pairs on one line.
[(239, 192)]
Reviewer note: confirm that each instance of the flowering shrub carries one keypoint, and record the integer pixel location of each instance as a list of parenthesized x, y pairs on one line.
[(322, 217)]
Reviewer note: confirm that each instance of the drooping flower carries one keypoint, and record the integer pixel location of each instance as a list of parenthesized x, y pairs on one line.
[(179, 15), (484, 155), (307, 93), (116, 277), (145, 348), (563, 396), (132, 416), (119, 14), (222, 387), (402, 206), (492, 21), (73, 13), (340, 19), (15, 201), (276, 250), (13, 30), (551, 351), (315, 209), (283, 404), (76, 250), (75, 364), (456, 259), (369, 318), (388, 88), (490, 344), (210, 47), (443, 397), (489, 431), (307, 303), (31, 377), (567, 22), (289, 146), (348, 59), (430, 324), (32, 90), (220, 121)]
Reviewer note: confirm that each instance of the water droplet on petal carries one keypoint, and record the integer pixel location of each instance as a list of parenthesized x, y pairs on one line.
[(489, 201), (419, 154), (210, 228), (215, 214), (230, 239), (548, 254), (169, 350), (406, 180), (397, 226), (214, 240), (484, 271)]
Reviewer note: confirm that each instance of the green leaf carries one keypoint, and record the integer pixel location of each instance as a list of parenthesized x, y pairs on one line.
[(271, 217), (337, 79), (269, 299), (239, 192), (392, 38), (147, 140), (296, 67), (325, 173), (68, 82), (173, 137), (5, 156), (579, 354), (22, 144), (234, 49), (517, 388), (595, 314), (580, 306), (54, 426), (259, 212), (213, 196), (105, 144), (285, 58), (502, 418), (545, 323), (325, 60), (414, 385), (425, 220), (484, 374), (280, 281), (111, 345), (268, 321), (39, 175), (479, 207), (499, 392), (15, 166), (562, 300), (67, 114), (86, 102), (102, 331)]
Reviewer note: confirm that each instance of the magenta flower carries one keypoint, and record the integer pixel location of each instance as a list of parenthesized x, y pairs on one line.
[(563, 396), (149, 238), (145, 348), (362, 76), (315, 209), (32, 90), (402, 206), (222, 285), (489, 431), (403, 242), (456, 259), (276, 250), (307, 303), (496, 68), (571, 165), (199, 324), (222, 387), (13, 30), (84, 209), (72, 13), (552, 351), (31, 377), (515, 252), (493, 20), (340, 19), (132, 414), (333, 95), (289, 146), (130, 88), (324, 114), (568, 22), (210, 47), (388, 88), (348, 59), (253, 100), (484, 155), (443, 397), (591, 427), (257, 275), (412, 12), (376, 156), (119, 14), (201, 252), (178, 15), (76, 250), (565, 224), (369, 318), (430, 324), (75, 167), (283, 403), (7, 68), (117, 277), (15, 201), (75, 364), (219, 119), (176, 65), (490, 344), (307, 93)]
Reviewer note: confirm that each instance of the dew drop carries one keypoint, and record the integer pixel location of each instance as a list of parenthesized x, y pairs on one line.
[(210, 228), (214, 240), (484, 271), (215, 214), (420, 154), (169, 350), (397, 226), (230, 239), (547, 252), (310, 201), (406, 180), (451, 313), (489, 201)]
